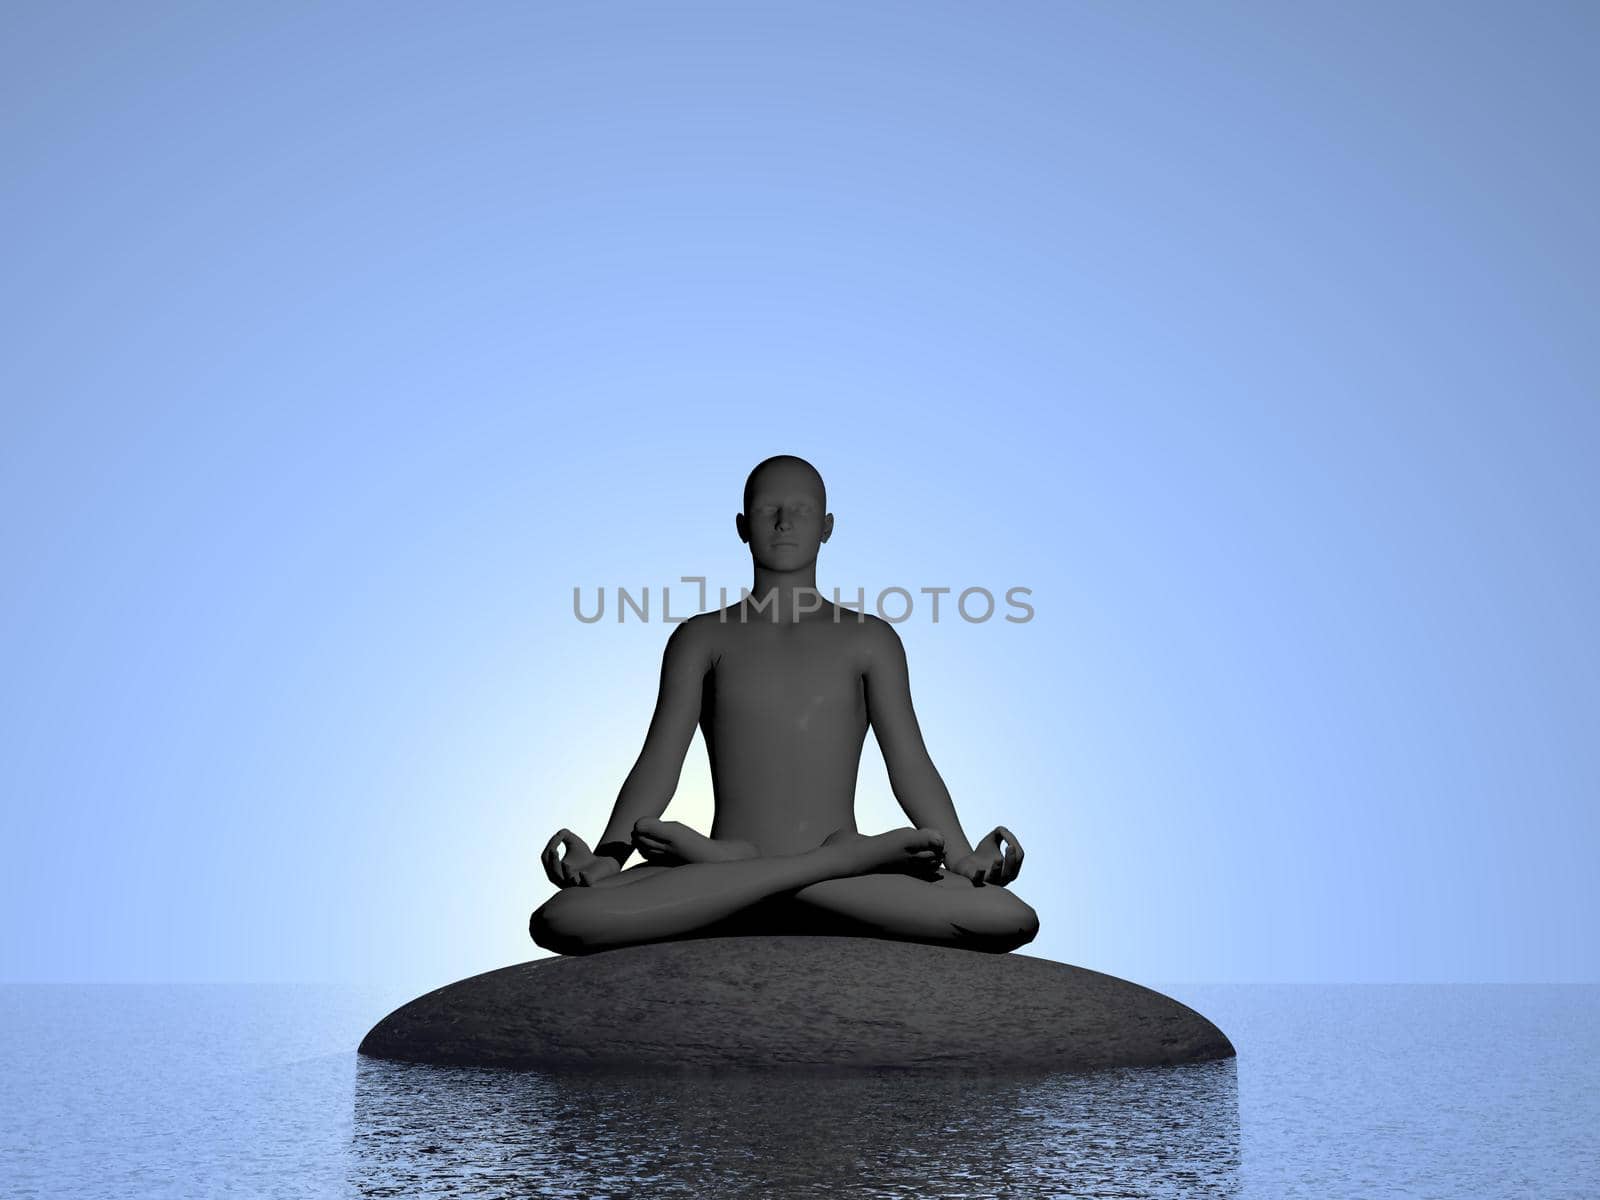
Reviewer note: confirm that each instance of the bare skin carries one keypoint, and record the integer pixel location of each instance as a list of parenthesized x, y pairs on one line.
[(783, 687)]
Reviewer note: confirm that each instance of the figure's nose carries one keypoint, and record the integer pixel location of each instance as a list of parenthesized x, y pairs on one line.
[(783, 521)]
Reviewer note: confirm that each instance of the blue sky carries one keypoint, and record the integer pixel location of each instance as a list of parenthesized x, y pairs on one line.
[(342, 343)]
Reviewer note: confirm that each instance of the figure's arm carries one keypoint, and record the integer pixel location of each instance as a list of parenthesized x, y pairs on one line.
[(912, 775), (915, 780), (650, 785)]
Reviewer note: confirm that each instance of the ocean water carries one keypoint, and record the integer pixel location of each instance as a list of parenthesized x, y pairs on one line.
[(1359, 1091)]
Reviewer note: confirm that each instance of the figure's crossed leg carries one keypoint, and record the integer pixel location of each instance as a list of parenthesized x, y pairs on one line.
[(672, 844), (938, 908), (882, 886), (949, 910)]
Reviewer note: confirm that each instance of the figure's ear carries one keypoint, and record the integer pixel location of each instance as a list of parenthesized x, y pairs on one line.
[(827, 527), (743, 527)]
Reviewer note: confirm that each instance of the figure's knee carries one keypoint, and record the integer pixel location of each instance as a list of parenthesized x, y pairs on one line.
[(997, 921), (559, 924)]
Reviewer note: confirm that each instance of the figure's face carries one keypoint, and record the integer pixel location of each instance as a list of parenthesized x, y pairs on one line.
[(785, 524)]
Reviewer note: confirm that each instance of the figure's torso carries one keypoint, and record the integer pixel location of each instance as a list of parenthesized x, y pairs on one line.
[(784, 716)]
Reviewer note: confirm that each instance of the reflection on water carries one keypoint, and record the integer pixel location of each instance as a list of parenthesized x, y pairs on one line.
[(435, 1131), (109, 1092)]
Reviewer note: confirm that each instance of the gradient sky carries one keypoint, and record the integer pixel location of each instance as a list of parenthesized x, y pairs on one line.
[(342, 342)]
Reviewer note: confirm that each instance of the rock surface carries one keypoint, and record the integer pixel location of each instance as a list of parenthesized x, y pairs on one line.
[(806, 1003)]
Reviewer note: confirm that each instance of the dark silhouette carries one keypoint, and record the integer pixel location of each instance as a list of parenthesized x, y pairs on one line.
[(784, 686)]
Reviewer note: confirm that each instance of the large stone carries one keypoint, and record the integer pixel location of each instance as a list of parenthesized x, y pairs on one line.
[(795, 1003)]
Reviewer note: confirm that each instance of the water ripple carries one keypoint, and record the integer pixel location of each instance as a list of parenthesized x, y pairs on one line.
[(429, 1131)]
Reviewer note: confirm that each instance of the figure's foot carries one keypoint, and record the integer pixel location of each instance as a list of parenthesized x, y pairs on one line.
[(672, 843), (917, 851)]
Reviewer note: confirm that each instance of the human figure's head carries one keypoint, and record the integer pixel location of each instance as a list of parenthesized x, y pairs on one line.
[(785, 518)]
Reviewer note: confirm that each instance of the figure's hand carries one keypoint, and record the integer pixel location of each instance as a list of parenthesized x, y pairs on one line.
[(987, 864), (581, 866)]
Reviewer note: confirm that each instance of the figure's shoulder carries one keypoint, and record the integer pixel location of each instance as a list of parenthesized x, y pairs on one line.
[(694, 637), (876, 638), (709, 634)]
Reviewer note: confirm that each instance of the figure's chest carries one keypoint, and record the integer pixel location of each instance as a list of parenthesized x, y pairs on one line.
[(787, 672)]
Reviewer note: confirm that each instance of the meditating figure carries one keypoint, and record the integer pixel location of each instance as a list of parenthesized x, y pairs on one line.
[(783, 686)]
